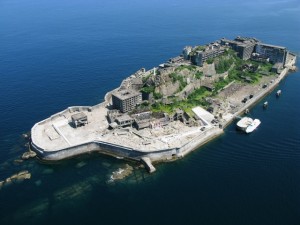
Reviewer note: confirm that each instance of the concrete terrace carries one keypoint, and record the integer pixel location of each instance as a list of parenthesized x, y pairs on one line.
[(57, 132)]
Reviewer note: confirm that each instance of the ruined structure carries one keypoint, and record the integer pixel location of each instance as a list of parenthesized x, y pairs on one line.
[(207, 99), (126, 100)]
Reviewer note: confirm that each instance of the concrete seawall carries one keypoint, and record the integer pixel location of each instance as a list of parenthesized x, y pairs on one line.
[(95, 144), (258, 97), (127, 153)]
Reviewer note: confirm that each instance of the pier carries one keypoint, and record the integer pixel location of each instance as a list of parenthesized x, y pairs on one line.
[(147, 162)]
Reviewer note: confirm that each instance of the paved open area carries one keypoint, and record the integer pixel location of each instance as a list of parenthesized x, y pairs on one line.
[(58, 132)]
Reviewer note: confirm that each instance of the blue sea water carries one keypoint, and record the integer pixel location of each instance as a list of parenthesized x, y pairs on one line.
[(55, 54)]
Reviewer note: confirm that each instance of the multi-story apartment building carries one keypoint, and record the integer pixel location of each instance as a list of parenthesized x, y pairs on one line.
[(276, 54), (126, 100)]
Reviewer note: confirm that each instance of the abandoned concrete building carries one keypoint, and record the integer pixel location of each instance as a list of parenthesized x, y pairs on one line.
[(126, 100), (210, 51), (79, 119)]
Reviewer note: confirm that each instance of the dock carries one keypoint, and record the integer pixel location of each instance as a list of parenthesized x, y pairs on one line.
[(147, 162)]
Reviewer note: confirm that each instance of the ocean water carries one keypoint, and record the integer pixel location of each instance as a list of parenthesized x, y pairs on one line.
[(55, 54)]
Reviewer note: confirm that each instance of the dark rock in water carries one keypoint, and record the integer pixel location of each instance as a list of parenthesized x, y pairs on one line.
[(48, 171), (23, 175), (16, 178), (18, 161), (106, 164), (26, 136), (121, 173), (38, 183), (29, 154), (80, 164), (1, 184)]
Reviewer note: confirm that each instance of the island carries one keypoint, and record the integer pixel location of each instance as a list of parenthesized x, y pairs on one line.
[(164, 113)]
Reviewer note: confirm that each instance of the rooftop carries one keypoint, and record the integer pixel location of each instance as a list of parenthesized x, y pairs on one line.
[(124, 117), (272, 46), (203, 114), (125, 94), (78, 116)]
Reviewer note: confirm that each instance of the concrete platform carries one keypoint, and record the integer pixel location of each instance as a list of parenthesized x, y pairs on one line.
[(56, 138)]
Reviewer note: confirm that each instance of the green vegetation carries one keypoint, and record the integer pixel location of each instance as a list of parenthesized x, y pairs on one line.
[(151, 89), (228, 62), (200, 48), (188, 67), (210, 61), (148, 89), (157, 95), (198, 74), (176, 77), (145, 104), (144, 79), (230, 52), (223, 64), (198, 94), (234, 74), (194, 99), (237, 72), (263, 67), (220, 85)]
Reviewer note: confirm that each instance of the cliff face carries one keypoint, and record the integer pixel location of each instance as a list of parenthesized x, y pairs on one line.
[(168, 88), (209, 69), (177, 81)]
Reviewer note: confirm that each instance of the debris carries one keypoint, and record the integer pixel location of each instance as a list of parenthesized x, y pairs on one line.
[(18, 161)]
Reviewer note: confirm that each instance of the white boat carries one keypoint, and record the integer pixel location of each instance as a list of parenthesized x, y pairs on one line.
[(243, 123), (247, 124), (278, 93), (253, 126)]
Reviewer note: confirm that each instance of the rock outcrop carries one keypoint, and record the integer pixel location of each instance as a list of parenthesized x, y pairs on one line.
[(28, 154), (16, 178)]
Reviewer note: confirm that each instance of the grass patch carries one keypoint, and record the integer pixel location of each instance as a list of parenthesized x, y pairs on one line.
[(210, 61), (200, 48), (149, 89), (198, 75), (223, 64), (188, 67), (157, 95), (144, 79), (196, 98), (176, 77)]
